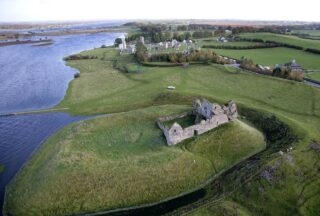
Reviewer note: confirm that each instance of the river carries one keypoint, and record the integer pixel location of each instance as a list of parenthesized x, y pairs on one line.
[(31, 78)]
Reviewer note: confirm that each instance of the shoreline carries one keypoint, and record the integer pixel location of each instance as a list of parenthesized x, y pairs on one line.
[(25, 42)]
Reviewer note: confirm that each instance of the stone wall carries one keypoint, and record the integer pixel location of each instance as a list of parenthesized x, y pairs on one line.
[(213, 114)]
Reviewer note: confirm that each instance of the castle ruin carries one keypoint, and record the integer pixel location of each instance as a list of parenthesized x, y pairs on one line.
[(207, 117)]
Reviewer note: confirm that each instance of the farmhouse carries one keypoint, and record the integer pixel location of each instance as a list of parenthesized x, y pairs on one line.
[(207, 117), (293, 65)]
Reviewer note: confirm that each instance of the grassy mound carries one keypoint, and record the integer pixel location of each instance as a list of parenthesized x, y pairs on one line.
[(122, 160)]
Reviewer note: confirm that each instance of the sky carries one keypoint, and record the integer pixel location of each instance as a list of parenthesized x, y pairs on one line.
[(81, 10)]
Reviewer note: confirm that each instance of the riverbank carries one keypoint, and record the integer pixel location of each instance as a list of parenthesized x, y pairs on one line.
[(2, 44), (39, 88)]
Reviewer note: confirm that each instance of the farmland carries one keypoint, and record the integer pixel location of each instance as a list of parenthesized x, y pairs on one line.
[(272, 56), (288, 39)]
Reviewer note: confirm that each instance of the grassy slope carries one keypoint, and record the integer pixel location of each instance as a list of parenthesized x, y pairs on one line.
[(101, 89), (272, 56), (123, 160), (224, 208), (314, 44), (297, 104)]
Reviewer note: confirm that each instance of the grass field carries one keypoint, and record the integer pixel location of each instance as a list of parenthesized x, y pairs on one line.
[(123, 160), (288, 39), (272, 56), (227, 44), (314, 75), (103, 89), (310, 32), (108, 153)]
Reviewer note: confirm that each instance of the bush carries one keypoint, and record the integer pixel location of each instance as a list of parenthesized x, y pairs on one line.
[(76, 75), (79, 57)]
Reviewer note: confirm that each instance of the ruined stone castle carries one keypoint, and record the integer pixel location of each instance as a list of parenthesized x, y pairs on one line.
[(207, 117)]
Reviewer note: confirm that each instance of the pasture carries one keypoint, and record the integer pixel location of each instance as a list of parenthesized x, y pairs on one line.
[(288, 39), (272, 56)]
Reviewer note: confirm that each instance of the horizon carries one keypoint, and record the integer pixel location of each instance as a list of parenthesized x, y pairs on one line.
[(98, 10)]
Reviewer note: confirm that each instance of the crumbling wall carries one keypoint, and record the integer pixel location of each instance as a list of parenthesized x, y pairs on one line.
[(214, 115)]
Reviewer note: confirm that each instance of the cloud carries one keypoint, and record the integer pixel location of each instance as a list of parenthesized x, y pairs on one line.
[(43, 10)]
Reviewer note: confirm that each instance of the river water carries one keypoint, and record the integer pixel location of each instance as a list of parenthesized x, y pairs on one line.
[(35, 77)]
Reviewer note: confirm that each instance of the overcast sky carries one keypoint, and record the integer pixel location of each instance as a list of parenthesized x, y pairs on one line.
[(58, 10)]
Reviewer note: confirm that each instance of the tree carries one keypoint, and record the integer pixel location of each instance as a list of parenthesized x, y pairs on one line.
[(117, 42), (141, 52), (188, 36)]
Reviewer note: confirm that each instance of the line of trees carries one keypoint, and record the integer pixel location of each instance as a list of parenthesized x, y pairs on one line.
[(255, 46), (202, 34), (282, 72)]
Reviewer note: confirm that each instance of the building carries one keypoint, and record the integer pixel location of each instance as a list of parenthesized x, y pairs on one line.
[(207, 117), (222, 39), (141, 39), (290, 66), (123, 44), (293, 65), (174, 42)]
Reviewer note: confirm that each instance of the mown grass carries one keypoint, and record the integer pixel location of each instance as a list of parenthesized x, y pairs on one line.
[(314, 75), (288, 39), (272, 56), (123, 160)]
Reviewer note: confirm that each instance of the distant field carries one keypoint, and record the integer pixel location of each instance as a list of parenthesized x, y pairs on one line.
[(310, 32), (313, 44), (314, 75), (217, 43), (121, 161), (272, 56)]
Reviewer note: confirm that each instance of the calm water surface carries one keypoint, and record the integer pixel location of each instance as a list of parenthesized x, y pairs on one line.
[(35, 77)]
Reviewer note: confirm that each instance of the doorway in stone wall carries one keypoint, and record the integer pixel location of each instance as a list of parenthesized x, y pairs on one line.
[(195, 132)]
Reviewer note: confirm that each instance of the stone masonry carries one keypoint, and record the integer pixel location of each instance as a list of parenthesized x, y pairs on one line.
[(208, 116)]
